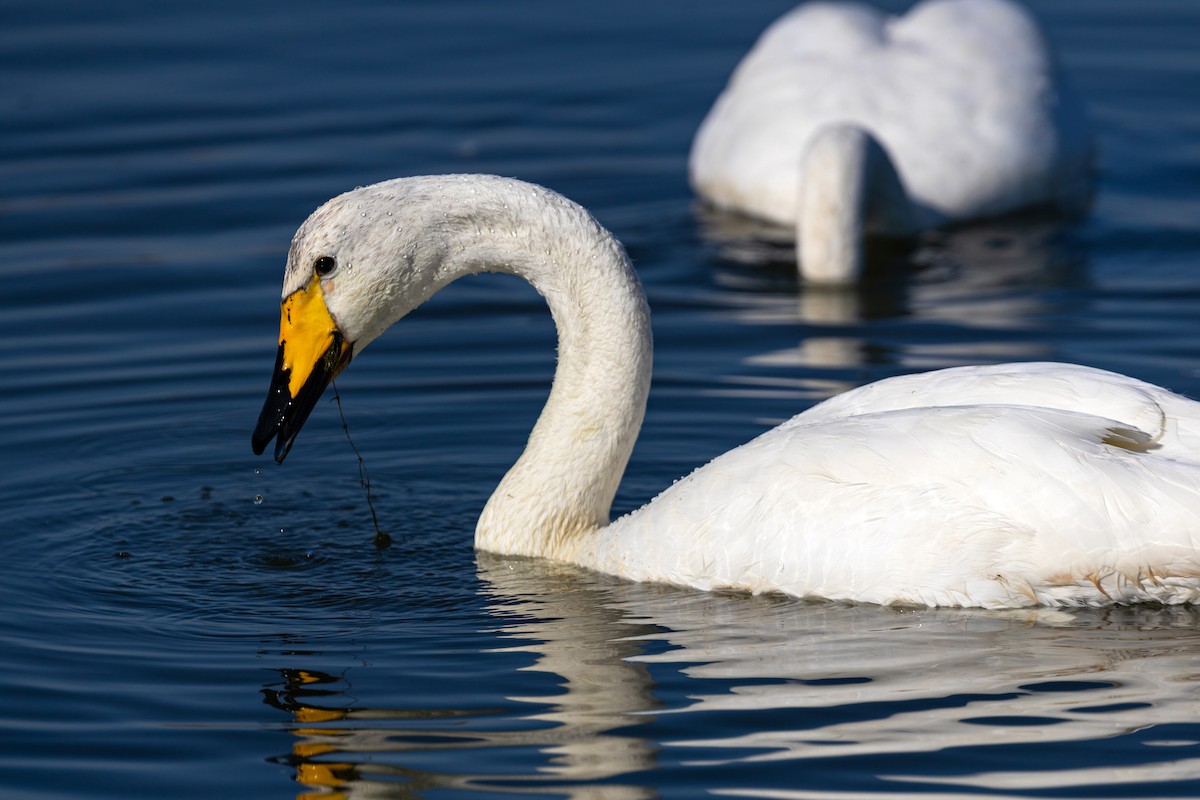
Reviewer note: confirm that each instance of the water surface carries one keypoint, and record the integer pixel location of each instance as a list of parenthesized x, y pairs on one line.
[(182, 619)]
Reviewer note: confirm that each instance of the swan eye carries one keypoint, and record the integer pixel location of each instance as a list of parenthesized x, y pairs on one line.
[(324, 265)]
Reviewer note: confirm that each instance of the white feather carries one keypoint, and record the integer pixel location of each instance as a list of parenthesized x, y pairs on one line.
[(997, 486)]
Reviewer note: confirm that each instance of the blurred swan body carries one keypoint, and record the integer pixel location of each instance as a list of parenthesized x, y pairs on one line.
[(843, 121), (996, 486)]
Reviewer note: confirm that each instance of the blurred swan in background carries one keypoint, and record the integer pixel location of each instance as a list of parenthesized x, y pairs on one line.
[(843, 122), (996, 486)]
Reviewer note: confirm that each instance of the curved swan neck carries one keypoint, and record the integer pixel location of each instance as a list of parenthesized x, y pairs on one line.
[(848, 188), (562, 486)]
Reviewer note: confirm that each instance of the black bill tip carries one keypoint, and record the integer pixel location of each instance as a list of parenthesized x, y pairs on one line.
[(283, 415)]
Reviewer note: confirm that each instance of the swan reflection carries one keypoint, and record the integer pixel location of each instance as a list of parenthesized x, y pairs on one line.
[(993, 285), (741, 691)]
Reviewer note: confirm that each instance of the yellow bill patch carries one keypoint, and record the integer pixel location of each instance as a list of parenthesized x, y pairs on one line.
[(306, 332)]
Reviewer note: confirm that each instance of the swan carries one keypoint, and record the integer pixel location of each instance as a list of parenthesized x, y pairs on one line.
[(843, 121), (993, 486)]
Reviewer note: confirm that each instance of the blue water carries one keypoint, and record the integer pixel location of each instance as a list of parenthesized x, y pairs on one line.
[(181, 619)]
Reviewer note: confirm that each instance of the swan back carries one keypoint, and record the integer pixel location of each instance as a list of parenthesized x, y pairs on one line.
[(1171, 421)]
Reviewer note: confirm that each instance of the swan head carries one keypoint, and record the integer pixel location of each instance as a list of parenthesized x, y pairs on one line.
[(359, 263)]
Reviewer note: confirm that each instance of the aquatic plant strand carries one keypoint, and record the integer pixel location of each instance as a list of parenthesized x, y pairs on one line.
[(382, 537)]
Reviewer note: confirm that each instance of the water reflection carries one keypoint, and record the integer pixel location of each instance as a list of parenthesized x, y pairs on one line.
[(740, 691), (1001, 274), (998, 285), (572, 632), (939, 277)]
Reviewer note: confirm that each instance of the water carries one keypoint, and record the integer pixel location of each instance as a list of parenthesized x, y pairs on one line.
[(182, 619)]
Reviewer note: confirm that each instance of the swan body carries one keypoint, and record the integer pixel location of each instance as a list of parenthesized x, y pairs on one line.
[(997, 486), (958, 99)]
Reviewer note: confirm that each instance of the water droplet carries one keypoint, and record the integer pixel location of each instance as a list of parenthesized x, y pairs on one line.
[(256, 470), (258, 498)]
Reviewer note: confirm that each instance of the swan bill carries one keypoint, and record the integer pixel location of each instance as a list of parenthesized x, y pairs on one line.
[(312, 352)]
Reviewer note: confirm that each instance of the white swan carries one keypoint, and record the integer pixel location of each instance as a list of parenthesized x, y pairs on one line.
[(842, 121), (990, 486)]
